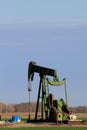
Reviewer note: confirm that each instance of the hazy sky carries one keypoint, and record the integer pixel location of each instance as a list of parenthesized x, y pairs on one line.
[(52, 33)]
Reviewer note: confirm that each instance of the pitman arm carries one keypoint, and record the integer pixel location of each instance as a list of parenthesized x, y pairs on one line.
[(55, 82)]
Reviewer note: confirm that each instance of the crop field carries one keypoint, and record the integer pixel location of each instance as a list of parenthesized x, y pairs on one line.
[(24, 116)]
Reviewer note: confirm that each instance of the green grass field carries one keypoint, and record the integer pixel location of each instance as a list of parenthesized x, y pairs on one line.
[(48, 128)]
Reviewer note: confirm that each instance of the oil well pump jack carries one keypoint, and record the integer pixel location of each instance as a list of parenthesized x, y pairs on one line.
[(51, 109)]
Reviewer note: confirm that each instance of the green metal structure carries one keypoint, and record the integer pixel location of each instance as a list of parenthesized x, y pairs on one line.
[(51, 109)]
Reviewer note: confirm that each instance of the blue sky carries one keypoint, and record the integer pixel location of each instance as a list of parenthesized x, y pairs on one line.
[(39, 11), (51, 33)]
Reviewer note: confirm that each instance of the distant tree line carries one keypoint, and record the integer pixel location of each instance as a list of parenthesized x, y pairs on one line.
[(79, 109), (25, 107)]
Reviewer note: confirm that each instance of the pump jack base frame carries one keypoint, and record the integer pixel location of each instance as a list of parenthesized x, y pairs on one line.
[(48, 122)]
